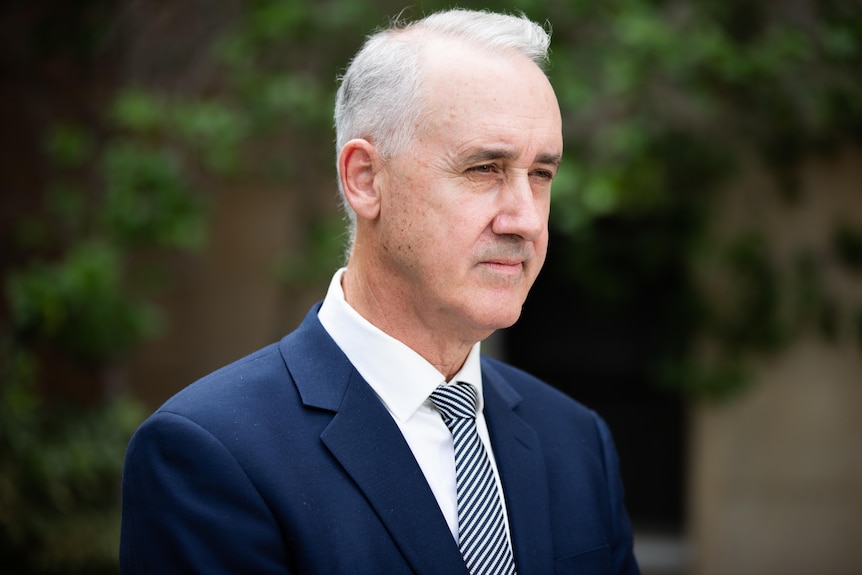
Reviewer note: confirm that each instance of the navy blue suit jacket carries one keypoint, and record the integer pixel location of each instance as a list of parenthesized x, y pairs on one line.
[(286, 462)]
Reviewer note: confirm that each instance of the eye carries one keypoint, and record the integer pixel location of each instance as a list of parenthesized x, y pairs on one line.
[(483, 169), (542, 174)]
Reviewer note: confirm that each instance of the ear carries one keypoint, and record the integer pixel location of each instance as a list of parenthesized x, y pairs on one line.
[(358, 163)]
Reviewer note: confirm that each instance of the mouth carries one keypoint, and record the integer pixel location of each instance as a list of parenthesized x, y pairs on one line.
[(504, 266)]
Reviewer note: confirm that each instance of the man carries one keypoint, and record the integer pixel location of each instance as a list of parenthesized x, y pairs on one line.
[(352, 446)]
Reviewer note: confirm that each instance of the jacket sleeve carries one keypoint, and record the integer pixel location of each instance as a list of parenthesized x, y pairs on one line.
[(188, 506), (622, 540)]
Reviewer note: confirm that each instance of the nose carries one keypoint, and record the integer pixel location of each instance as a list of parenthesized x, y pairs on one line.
[(523, 211)]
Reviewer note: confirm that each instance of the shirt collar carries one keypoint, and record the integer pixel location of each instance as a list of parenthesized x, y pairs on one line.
[(400, 377)]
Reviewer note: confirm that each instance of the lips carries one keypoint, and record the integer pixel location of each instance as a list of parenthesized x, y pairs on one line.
[(505, 262), (504, 265)]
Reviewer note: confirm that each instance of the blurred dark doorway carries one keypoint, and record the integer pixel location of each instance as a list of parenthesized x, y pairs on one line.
[(601, 350)]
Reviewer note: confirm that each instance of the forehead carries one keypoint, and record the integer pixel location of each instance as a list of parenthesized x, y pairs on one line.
[(475, 98)]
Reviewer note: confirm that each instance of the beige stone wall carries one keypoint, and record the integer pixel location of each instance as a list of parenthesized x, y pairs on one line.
[(776, 474), (227, 301), (777, 482)]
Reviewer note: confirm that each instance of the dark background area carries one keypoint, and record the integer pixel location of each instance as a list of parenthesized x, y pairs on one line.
[(601, 354)]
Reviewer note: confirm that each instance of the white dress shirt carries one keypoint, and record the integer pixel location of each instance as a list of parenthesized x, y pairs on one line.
[(403, 380)]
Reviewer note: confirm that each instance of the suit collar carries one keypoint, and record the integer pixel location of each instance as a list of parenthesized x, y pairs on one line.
[(319, 369)]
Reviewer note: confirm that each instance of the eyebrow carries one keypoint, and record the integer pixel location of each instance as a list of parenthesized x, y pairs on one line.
[(489, 154), (552, 159)]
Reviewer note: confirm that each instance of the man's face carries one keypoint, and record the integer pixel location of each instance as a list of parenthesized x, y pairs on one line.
[(464, 212)]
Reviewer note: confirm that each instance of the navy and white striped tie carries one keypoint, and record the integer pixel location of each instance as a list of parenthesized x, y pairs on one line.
[(481, 528)]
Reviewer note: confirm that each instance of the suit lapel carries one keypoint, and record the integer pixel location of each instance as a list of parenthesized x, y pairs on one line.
[(518, 454), (386, 471), (369, 446)]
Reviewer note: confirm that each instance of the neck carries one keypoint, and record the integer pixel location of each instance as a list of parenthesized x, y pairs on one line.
[(376, 297)]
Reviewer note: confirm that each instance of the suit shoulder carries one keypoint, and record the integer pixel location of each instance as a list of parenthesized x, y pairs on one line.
[(230, 383)]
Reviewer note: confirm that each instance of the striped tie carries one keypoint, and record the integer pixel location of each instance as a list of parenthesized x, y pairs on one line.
[(481, 529)]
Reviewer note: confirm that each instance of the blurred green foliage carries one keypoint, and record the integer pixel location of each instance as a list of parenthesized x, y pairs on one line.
[(121, 191), (59, 471), (664, 101), (79, 305)]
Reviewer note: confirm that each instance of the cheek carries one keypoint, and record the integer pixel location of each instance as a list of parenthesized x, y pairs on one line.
[(411, 232), (471, 217)]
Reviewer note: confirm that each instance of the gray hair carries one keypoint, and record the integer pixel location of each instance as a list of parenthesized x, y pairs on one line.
[(379, 97)]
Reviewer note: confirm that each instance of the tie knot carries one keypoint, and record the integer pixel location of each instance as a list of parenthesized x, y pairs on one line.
[(457, 401)]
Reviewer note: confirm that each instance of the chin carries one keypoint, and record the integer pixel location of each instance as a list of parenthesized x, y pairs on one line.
[(490, 310), (500, 318)]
